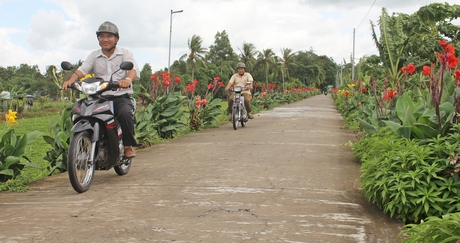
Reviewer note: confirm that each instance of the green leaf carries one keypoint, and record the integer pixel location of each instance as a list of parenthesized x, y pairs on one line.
[(169, 111), (32, 136), (405, 110), (8, 172), (61, 140), (367, 127), (20, 146)]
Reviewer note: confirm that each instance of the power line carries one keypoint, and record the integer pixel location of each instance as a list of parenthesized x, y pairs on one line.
[(367, 13)]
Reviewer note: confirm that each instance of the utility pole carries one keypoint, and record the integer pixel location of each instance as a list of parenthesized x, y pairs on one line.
[(353, 59), (170, 33)]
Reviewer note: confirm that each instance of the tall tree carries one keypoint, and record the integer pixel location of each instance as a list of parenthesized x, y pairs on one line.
[(196, 54), (428, 25), (221, 53)]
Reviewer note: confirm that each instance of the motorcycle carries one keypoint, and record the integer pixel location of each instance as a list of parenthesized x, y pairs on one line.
[(97, 142), (325, 92), (239, 113)]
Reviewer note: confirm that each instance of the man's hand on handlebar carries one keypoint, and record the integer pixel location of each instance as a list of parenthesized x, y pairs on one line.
[(124, 83), (66, 84)]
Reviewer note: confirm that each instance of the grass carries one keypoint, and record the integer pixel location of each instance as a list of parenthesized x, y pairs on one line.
[(37, 149)]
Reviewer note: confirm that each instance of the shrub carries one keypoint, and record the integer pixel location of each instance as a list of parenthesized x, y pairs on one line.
[(410, 179), (434, 230)]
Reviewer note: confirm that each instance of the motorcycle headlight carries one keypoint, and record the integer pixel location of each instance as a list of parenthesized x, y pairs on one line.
[(237, 89), (89, 88), (93, 88)]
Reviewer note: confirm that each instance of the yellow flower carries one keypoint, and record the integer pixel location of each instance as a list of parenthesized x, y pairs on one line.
[(351, 85), (11, 118)]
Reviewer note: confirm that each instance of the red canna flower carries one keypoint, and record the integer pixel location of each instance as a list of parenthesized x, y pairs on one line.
[(347, 93), (390, 94), (452, 61), (411, 68), (426, 70), (363, 89), (216, 78), (210, 86), (177, 79), (457, 76), (198, 102), (220, 84), (443, 43), (153, 77), (204, 101), (448, 56)]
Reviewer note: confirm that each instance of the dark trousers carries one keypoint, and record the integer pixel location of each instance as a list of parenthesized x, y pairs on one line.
[(247, 103), (123, 109)]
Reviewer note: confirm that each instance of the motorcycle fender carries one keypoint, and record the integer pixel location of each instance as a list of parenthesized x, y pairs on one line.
[(84, 125)]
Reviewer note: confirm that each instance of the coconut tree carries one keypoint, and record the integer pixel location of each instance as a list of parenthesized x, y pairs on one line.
[(248, 55), (196, 55), (266, 58), (286, 60)]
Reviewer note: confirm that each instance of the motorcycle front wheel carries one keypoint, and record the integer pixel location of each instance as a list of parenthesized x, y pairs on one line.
[(235, 117), (80, 168), (243, 115)]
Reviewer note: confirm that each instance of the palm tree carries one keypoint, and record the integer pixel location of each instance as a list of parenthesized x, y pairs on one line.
[(267, 59), (319, 74), (196, 54), (248, 55), (285, 61), (287, 58)]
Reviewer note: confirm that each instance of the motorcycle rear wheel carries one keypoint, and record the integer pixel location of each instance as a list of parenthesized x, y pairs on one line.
[(235, 117), (80, 168), (123, 169)]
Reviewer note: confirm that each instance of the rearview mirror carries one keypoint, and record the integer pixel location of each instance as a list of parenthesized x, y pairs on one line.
[(126, 66), (66, 65)]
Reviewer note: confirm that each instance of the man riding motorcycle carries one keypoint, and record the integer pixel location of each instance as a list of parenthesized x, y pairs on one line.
[(240, 79), (103, 62)]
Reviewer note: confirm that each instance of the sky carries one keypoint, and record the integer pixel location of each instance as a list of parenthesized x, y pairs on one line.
[(47, 32)]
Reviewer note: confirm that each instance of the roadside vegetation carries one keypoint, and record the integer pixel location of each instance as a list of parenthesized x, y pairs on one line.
[(404, 107)]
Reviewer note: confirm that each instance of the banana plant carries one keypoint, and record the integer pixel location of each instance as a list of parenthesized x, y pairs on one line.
[(390, 44)]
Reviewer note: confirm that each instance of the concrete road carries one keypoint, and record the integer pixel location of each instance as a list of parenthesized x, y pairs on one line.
[(285, 177)]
